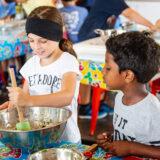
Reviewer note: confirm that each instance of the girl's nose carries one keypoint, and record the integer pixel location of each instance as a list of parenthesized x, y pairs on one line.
[(36, 45)]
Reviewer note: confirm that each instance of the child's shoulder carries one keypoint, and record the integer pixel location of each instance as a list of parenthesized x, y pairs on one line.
[(153, 102), (68, 56), (33, 59)]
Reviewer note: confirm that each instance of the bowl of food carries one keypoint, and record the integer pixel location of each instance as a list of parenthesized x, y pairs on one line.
[(105, 34), (57, 154), (47, 126)]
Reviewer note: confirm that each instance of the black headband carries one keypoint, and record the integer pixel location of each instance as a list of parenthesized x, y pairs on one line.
[(44, 28)]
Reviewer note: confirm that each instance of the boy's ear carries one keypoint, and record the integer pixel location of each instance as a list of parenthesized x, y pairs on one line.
[(129, 76)]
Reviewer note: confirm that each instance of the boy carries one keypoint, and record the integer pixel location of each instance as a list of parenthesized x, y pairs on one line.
[(132, 59), (73, 17)]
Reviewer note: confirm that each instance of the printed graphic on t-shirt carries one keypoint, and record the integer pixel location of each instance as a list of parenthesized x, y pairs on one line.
[(120, 124), (71, 20), (52, 81)]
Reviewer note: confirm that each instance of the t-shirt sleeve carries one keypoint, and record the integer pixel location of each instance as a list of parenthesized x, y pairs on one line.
[(154, 130), (111, 7), (24, 71), (71, 65), (116, 7)]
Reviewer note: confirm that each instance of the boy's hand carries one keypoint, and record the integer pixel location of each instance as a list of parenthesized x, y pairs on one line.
[(17, 96), (103, 138), (118, 148)]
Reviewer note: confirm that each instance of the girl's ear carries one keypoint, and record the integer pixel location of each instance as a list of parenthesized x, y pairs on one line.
[(129, 76)]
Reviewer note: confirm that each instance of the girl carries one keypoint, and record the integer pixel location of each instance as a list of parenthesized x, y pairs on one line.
[(52, 75)]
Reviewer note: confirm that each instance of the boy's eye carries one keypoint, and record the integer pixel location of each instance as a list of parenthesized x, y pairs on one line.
[(108, 69)]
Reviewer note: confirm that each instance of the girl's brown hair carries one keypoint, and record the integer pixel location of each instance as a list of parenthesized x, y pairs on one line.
[(53, 14)]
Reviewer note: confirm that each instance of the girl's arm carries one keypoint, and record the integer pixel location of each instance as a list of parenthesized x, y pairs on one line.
[(126, 148), (26, 87), (59, 99)]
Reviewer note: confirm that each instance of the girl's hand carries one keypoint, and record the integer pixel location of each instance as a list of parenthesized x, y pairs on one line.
[(4, 105), (103, 138), (18, 97), (118, 148)]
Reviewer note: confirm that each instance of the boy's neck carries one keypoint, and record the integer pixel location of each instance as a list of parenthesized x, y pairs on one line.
[(69, 3), (134, 94)]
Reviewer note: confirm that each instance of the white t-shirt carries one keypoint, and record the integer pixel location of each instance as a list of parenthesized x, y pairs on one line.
[(139, 122), (47, 79)]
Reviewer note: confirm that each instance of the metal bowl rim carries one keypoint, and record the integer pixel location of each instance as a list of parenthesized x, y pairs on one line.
[(70, 114), (83, 157)]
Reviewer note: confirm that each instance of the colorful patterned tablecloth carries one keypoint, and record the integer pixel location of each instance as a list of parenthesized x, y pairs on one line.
[(13, 48), (10, 153), (91, 72), (10, 45)]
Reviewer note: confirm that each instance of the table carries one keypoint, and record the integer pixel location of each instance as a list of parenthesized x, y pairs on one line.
[(91, 55), (10, 45), (9, 153)]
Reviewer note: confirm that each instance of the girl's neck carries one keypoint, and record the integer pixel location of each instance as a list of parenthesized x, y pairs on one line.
[(52, 58), (134, 94)]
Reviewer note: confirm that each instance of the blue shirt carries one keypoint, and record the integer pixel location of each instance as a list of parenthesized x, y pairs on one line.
[(98, 15), (73, 17), (87, 3), (7, 10)]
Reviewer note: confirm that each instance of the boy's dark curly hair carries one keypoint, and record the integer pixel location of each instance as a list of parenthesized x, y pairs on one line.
[(135, 51)]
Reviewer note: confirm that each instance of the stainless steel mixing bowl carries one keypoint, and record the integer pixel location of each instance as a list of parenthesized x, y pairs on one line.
[(57, 154), (105, 34), (47, 126)]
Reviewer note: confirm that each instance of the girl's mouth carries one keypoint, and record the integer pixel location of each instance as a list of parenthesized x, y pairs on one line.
[(39, 53)]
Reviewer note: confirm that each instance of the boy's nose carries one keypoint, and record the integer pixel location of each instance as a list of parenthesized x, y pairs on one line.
[(103, 70)]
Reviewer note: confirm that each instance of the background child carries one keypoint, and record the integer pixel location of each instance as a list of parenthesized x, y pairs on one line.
[(132, 59), (7, 13), (52, 76), (7, 9), (73, 17)]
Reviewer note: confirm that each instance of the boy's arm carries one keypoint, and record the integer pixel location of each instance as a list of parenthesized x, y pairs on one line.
[(126, 148)]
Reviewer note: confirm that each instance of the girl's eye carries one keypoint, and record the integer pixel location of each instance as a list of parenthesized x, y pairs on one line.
[(31, 41), (108, 69), (43, 41)]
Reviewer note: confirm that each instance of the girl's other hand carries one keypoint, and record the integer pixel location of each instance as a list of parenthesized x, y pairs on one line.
[(17, 97)]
